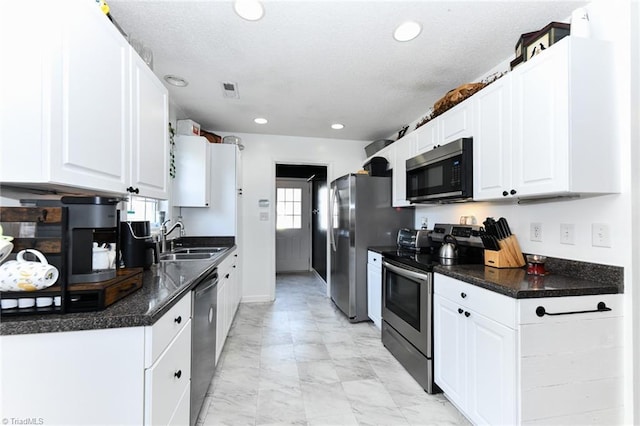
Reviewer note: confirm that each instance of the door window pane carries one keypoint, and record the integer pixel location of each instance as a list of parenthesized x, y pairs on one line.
[(289, 208)]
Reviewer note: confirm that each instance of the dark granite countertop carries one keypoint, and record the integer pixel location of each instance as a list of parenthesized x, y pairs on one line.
[(382, 249), (565, 277), (163, 285), (570, 280)]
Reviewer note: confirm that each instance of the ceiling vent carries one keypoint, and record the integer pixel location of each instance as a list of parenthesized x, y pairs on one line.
[(230, 90)]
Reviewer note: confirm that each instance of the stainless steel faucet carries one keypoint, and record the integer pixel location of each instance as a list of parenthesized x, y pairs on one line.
[(164, 232)]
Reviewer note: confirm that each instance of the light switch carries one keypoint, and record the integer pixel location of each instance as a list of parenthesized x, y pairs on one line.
[(264, 216)]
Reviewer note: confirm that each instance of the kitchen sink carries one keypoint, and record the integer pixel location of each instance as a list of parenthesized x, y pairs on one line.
[(191, 253), (195, 250), (167, 257)]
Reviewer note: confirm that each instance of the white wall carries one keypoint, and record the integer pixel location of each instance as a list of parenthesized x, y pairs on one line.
[(259, 157)]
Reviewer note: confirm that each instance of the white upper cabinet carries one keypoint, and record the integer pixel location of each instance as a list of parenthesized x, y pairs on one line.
[(426, 136), (404, 149), (191, 187), (71, 107), (560, 142), (455, 123), (222, 217), (492, 140), (149, 136), (68, 97)]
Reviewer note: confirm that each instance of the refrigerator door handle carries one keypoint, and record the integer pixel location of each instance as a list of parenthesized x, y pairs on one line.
[(332, 206)]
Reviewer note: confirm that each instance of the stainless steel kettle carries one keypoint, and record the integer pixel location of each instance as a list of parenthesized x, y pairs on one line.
[(449, 250)]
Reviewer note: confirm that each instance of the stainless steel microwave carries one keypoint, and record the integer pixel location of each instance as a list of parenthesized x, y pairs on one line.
[(444, 173)]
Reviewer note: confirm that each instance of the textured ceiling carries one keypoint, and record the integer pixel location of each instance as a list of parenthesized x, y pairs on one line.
[(308, 64)]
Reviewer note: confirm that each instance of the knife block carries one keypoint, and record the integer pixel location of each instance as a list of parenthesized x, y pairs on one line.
[(509, 255)]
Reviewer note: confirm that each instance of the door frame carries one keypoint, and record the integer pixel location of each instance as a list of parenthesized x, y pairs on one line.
[(308, 213), (272, 212)]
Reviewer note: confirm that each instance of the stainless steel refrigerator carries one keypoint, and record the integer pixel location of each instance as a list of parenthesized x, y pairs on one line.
[(361, 217)]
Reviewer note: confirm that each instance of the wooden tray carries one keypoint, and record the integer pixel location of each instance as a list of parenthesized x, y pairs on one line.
[(84, 297)]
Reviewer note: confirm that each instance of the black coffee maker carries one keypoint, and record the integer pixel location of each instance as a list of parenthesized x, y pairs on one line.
[(90, 220), (136, 244)]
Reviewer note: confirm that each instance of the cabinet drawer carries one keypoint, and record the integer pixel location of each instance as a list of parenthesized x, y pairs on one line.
[(166, 380), (492, 305), (160, 334), (375, 258)]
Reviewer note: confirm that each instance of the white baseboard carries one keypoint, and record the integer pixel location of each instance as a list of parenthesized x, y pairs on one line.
[(256, 299)]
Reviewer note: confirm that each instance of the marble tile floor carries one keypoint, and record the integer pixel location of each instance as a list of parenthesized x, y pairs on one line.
[(298, 361)]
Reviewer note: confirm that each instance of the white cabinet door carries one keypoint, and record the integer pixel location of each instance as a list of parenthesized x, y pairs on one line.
[(93, 107), (149, 137), (540, 125), (449, 343), (68, 97), (191, 186), (475, 355), (374, 288), (492, 141), (560, 134), (221, 316), (101, 371), (228, 298), (426, 136), (167, 379), (456, 123), (491, 367), (221, 218), (404, 149)]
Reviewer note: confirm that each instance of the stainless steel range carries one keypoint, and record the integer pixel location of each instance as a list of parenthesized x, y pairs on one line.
[(407, 296)]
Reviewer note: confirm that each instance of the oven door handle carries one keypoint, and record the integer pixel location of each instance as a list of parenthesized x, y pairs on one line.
[(404, 272)]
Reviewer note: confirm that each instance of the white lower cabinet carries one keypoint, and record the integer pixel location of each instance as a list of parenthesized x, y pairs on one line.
[(475, 357), (118, 376), (74, 378), (168, 366), (166, 381), (374, 288), (500, 363), (229, 295)]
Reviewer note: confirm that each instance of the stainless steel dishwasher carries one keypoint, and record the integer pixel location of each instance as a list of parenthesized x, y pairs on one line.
[(204, 298)]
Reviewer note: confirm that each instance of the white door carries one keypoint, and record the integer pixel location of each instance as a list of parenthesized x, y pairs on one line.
[(293, 225)]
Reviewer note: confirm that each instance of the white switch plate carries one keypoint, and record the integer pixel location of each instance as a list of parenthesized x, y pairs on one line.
[(567, 233), (600, 235), (536, 232), (264, 216)]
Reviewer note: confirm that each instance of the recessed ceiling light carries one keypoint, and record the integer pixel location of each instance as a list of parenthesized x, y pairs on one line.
[(251, 10), (407, 31), (261, 120), (176, 81), (337, 126)]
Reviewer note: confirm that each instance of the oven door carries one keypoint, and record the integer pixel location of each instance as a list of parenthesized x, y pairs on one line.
[(407, 302)]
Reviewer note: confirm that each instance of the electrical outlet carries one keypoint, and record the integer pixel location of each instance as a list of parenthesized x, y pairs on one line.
[(424, 222), (536, 232), (600, 235), (567, 233)]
